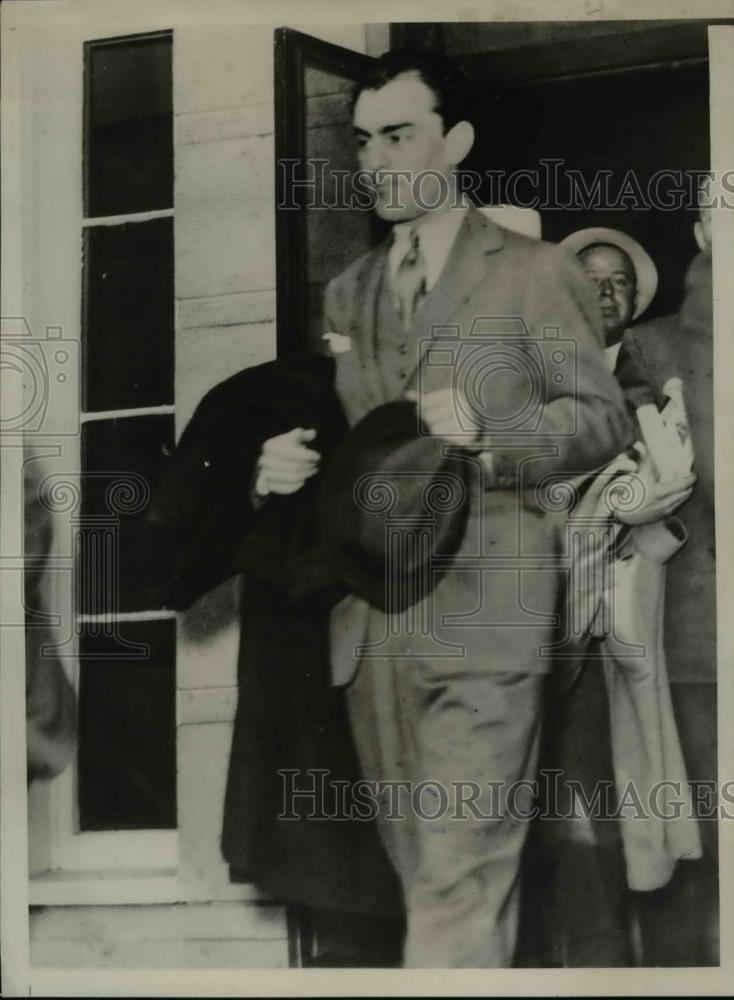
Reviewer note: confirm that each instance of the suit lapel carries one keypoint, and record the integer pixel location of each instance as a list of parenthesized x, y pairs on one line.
[(465, 268), (367, 292)]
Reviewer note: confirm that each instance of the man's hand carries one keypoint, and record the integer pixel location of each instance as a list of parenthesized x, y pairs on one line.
[(446, 414), (286, 463), (657, 500)]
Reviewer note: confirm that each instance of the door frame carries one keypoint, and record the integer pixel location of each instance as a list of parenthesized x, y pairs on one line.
[(629, 45), (294, 52)]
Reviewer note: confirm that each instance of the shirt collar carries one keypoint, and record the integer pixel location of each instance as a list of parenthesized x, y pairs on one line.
[(437, 232)]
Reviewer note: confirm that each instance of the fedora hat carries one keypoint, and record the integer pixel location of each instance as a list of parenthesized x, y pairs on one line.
[(392, 498), (647, 273)]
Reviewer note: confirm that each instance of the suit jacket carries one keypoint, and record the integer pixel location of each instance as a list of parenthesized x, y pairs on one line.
[(519, 318), (682, 346)]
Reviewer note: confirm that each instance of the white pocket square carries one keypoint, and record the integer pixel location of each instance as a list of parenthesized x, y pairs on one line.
[(338, 342)]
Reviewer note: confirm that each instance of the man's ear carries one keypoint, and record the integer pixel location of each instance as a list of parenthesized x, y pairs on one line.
[(698, 233), (459, 140)]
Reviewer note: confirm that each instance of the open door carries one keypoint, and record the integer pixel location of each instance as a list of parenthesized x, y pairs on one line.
[(316, 238), (314, 159)]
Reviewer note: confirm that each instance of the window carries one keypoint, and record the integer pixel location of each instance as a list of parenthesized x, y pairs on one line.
[(117, 808)]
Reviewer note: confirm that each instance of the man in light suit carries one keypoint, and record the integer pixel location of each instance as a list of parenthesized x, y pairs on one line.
[(678, 923), (589, 911), (525, 397)]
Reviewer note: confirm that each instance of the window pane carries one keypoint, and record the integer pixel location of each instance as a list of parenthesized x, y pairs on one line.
[(128, 330), (122, 461), (127, 730), (129, 127)]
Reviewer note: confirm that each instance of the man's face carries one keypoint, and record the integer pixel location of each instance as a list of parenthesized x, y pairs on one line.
[(615, 279), (398, 130)]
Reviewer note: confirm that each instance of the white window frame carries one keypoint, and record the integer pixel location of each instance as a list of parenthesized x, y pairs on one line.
[(53, 220)]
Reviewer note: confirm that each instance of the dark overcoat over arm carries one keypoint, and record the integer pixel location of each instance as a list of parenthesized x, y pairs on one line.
[(291, 732)]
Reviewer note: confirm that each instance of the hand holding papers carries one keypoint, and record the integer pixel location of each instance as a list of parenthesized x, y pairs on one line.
[(666, 433)]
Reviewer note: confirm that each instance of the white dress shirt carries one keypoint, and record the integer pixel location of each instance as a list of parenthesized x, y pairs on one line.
[(437, 232)]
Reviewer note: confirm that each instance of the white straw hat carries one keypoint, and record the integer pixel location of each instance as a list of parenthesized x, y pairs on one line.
[(647, 273)]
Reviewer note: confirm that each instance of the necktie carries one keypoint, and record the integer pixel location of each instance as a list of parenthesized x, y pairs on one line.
[(410, 280)]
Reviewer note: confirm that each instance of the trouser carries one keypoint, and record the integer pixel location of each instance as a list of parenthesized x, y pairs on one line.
[(456, 841), (588, 918)]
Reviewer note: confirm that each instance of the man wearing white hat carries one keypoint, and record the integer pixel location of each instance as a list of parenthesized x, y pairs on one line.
[(592, 903), (624, 275), (677, 924), (680, 924)]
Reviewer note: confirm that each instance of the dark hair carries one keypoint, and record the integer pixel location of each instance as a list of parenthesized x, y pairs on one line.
[(441, 74)]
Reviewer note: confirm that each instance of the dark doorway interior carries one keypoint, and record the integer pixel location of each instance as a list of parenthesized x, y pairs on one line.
[(624, 127)]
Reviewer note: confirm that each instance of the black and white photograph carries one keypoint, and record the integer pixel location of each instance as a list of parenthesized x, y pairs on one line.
[(367, 494)]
